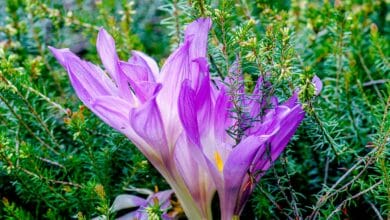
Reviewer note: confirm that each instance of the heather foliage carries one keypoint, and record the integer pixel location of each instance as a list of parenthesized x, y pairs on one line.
[(58, 160)]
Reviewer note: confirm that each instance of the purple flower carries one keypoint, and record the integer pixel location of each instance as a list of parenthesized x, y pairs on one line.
[(237, 164), (142, 102), (178, 118), (155, 206)]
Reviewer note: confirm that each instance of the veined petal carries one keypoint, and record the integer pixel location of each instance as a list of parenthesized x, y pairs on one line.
[(59, 54), (85, 74), (270, 122), (268, 153), (138, 79), (198, 31), (288, 127), (199, 71), (203, 100), (179, 67), (278, 141), (147, 62), (114, 111), (175, 70), (88, 80), (146, 122), (146, 90), (221, 115), (105, 45), (236, 167), (127, 201), (134, 72), (193, 169), (187, 112), (240, 159)]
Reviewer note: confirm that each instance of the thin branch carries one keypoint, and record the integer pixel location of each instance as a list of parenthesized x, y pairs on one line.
[(31, 109), (269, 197), (338, 208), (333, 191), (330, 140), (326, 171), (47, 99), (378, 214), (374, 82), (26, 126), (368, 72)]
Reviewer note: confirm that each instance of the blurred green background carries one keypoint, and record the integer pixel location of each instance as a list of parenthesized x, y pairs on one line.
[(59, 161)]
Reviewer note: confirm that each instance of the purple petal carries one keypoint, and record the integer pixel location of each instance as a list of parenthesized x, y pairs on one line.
[(165, 216), (138, 78), (200, 71), (114, 111), (59, 54), (146, 90), (292, 101), (146, 122), (134, 72), (278, 140), (288, 127), (204, 104), (175, 70), (134, 215), (257, 101), (187, 112), (179, 67), (236, 167), (105, 45), (88, 80), (269, 152), (193, 169), (127, 201), (198, 31), (147, 62), (239, 160), (271, 121), (221, 115), (163, 198), (317, 84)]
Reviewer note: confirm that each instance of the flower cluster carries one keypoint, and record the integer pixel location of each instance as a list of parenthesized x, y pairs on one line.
[(178, 118)]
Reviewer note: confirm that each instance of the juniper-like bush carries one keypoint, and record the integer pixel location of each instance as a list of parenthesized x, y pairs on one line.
[(59, 161)]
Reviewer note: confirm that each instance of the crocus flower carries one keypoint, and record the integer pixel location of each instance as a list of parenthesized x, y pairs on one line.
[(141, 101), (178, 118), (237, 164), (155, 206)]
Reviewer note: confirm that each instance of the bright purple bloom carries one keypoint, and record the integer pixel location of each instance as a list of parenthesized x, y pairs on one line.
[(236, 167), (178, 118), (140, 101)]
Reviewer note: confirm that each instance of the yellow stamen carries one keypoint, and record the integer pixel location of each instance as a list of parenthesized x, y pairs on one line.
[(218, 161)]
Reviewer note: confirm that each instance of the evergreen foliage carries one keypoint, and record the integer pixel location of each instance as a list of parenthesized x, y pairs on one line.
[(59, 161)]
